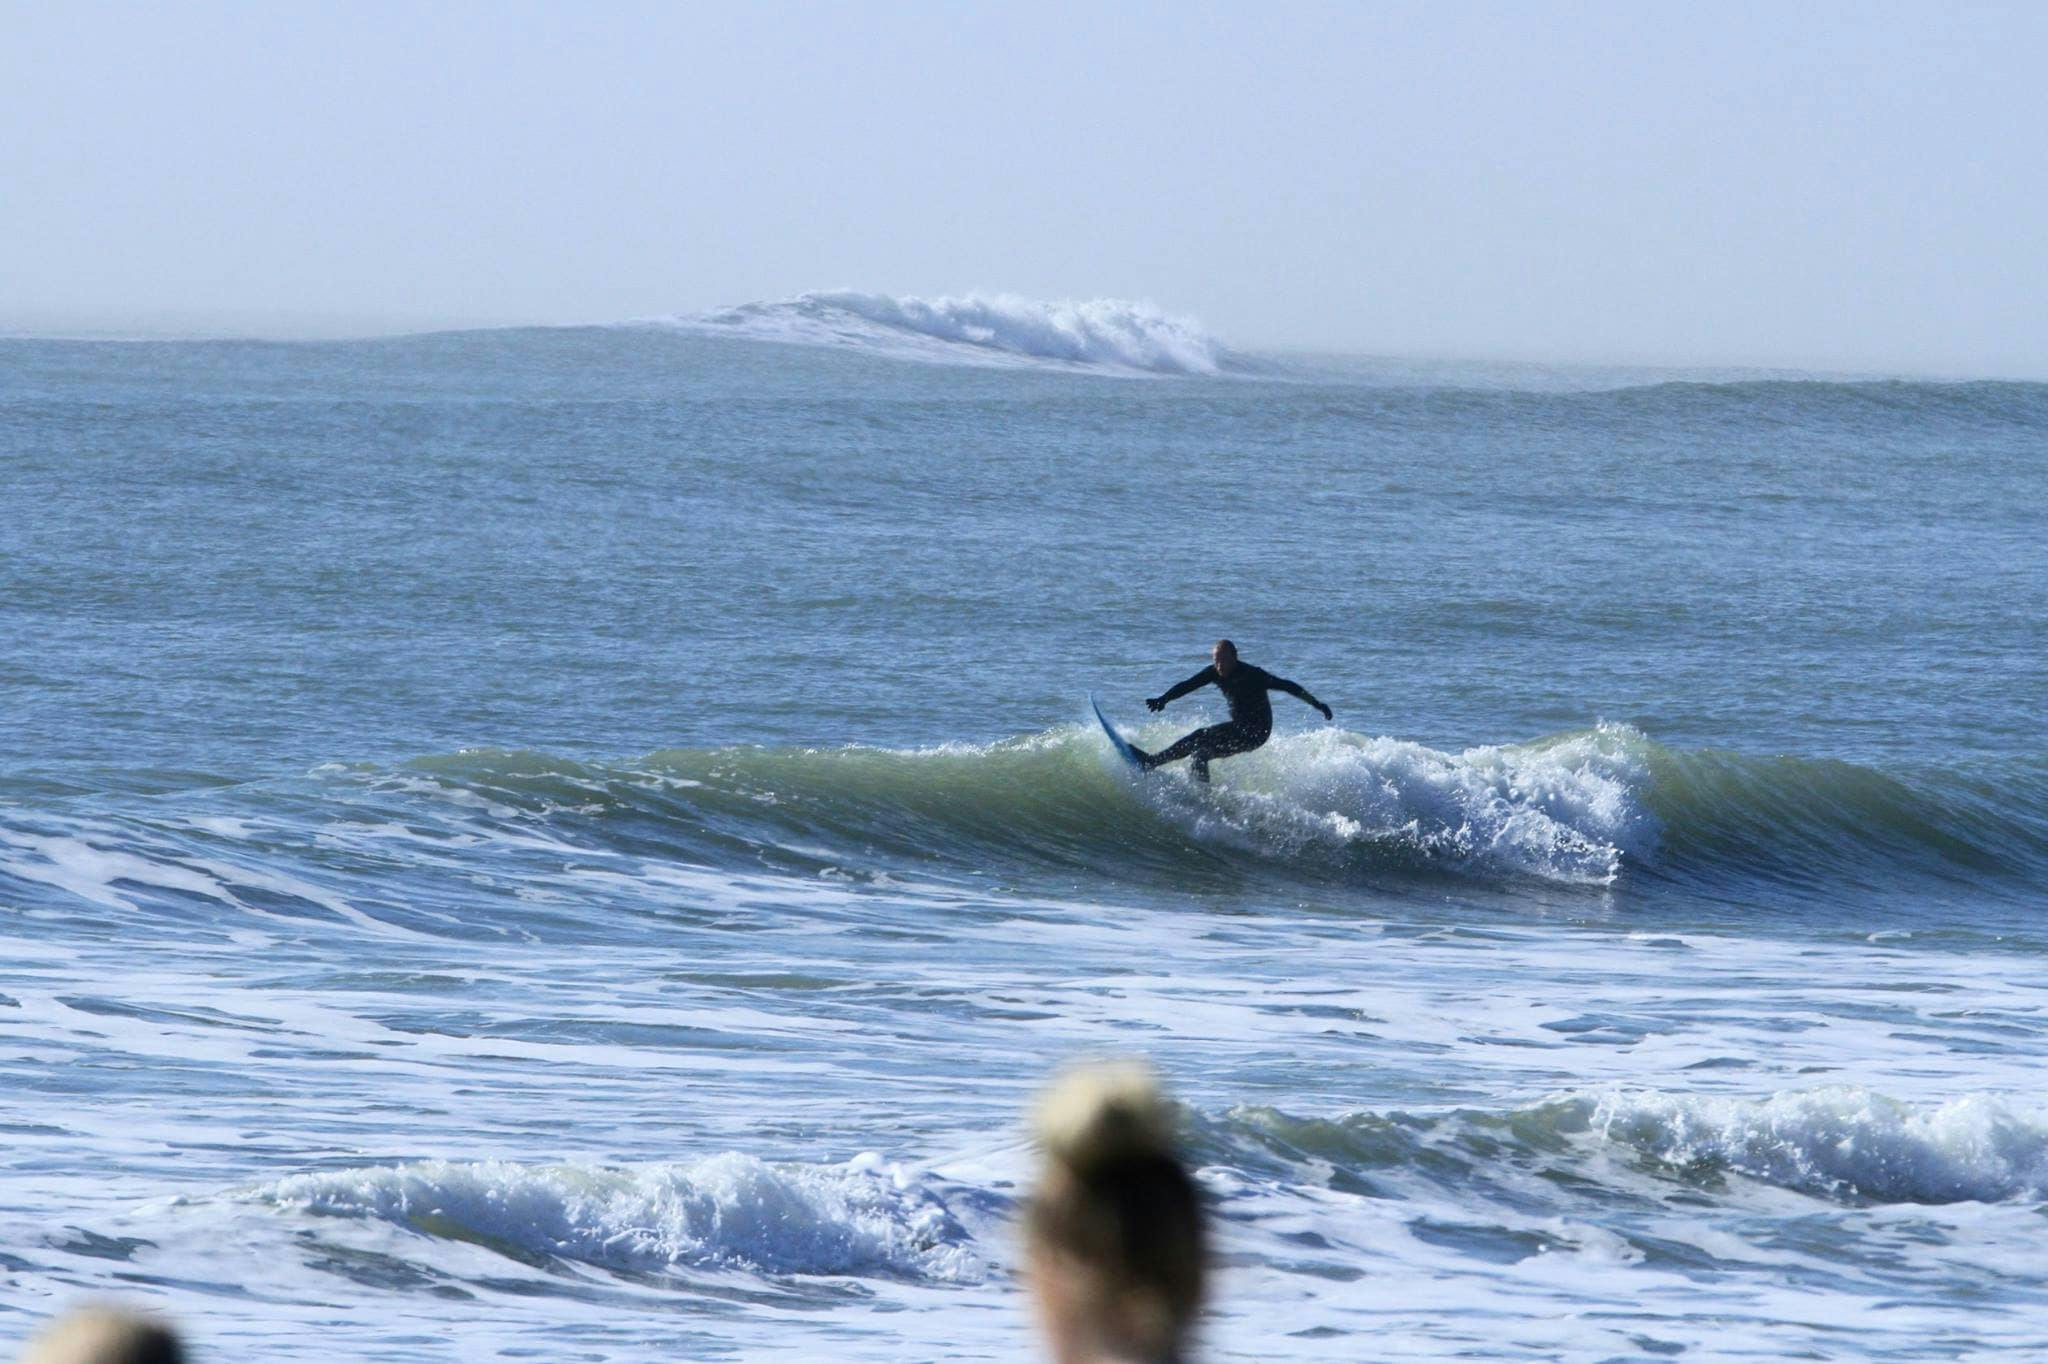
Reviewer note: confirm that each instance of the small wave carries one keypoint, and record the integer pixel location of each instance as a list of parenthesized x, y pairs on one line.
[(1842, 1144), (1885, 402), (728, 1211), (1111, 335)]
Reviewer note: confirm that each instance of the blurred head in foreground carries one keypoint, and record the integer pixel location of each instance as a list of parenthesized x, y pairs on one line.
[(1113, 1233), (104, 1335)]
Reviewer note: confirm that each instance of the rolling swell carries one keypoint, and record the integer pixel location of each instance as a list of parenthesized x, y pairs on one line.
[(1590, 808)]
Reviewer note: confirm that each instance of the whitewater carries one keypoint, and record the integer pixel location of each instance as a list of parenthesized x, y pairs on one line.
[(586, 841)]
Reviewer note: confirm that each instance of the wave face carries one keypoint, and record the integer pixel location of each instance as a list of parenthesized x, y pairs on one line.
[(726, 1211), (1111, 335), (1800, 821)]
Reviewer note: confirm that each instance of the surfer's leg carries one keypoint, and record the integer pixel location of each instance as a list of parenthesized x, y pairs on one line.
[(1214, 742), (1223, 741), (1231, 741), (1187, 746)]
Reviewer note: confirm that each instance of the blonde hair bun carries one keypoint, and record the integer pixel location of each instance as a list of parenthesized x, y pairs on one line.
[(1100, 1114)]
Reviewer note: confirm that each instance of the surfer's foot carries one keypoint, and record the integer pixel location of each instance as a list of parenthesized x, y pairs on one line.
[(1146, 762)]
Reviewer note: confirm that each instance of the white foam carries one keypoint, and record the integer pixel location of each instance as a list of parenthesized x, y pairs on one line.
[(1566, 811), (1843, 1141), (92, 873), (1114, 335), (727, 1211)]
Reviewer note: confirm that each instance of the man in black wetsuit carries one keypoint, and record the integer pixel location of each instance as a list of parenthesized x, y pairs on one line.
[(1250, 724)]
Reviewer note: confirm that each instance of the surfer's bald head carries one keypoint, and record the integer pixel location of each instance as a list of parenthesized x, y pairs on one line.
[(1224, 655)]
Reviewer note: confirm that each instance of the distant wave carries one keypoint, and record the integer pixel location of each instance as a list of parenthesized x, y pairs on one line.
[(1112, 335)]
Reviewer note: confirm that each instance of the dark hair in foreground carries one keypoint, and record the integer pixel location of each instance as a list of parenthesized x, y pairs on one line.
[(104, 1335), (1115, 1227)]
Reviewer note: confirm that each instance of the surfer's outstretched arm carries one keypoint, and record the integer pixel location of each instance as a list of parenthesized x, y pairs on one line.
[(1180, 689), (1296, 689)]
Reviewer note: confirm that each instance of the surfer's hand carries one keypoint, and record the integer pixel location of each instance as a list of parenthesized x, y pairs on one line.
[(1327, 714), (1155, 703)]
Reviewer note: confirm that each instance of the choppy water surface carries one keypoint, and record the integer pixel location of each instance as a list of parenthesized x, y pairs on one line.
[(583, 843)]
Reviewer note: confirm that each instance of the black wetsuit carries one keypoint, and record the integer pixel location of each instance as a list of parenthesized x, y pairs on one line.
[(1251, 716)]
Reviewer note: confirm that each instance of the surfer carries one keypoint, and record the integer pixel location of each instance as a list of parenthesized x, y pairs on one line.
[(1244, 686)]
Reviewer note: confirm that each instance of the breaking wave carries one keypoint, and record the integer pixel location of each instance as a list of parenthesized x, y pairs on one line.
[(1317, 805), (1055, 812), (1841, 1146), (1585, 808), (1111, 335), (865, 1217)]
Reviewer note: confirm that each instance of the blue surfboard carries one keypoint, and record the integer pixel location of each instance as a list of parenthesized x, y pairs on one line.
[(1117, 741)]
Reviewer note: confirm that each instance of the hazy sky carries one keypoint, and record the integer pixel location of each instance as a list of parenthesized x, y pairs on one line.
[(1829, 185)]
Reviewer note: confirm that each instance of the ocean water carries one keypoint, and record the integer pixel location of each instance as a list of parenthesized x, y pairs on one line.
[(582, 843)]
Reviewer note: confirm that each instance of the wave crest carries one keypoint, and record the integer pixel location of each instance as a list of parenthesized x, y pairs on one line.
[(1114, 335)]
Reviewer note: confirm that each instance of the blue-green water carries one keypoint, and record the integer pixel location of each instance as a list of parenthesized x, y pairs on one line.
[(586, 840)]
